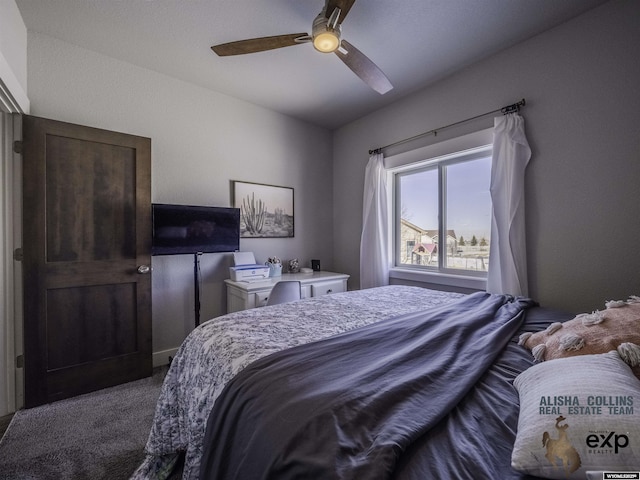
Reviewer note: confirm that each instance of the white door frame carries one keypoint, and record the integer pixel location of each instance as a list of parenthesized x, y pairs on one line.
[(11, 377)]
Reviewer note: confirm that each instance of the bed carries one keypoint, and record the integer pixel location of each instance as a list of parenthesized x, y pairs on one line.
[(390, 382)]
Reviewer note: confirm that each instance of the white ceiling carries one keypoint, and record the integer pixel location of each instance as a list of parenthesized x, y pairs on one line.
[(415, 42)]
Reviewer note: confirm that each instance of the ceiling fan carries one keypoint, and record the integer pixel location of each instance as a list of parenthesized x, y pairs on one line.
[(326, 33)]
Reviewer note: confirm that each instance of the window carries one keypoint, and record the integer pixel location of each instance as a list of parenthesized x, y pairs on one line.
[(442, 220)]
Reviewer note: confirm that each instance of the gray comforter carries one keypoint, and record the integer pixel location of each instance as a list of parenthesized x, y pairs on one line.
[(368, 404)]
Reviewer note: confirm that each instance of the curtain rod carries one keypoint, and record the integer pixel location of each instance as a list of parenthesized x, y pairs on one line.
[(513, 108)]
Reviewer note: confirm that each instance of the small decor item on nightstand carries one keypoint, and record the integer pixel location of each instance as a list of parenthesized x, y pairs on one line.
[(315, 265), (275, 266), (294, 266)]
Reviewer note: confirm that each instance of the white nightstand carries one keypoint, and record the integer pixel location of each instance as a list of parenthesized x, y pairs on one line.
[(244, 295)]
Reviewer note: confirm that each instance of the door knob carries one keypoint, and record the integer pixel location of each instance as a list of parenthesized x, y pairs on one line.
[(144, 269)]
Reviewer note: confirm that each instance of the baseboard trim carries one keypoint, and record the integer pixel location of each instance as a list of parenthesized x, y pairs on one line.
[(161, 358), (4, 424)]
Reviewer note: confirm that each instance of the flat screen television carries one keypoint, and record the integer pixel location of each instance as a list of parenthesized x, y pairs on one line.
[(183, 229)]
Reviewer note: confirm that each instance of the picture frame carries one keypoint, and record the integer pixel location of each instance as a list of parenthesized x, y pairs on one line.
[(266, 211)]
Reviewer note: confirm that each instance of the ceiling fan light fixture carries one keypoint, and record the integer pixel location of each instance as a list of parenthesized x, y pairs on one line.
[(326, 42), (325, 39)]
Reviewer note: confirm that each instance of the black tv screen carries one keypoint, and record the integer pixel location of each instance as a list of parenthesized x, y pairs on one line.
[(180, 229)]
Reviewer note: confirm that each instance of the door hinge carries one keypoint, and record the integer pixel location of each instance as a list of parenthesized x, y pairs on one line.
[(20, 361), (17, 147), (18, 255)]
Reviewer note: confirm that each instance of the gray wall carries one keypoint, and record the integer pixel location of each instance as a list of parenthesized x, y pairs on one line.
[(200, 141), (13, 53), (580, 81)]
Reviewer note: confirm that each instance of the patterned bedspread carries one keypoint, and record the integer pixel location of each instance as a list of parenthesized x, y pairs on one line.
[(214, 352)]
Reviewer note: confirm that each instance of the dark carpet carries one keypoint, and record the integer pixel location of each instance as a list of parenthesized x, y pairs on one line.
[(99, 435)]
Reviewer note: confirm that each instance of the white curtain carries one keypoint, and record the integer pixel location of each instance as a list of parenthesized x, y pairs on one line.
[(374, 243), (508, 255)]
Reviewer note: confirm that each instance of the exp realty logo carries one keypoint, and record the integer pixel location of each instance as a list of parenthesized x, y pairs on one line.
[(606, 442)]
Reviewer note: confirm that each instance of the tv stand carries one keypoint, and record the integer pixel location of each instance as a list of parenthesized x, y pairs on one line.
[(196, 286)]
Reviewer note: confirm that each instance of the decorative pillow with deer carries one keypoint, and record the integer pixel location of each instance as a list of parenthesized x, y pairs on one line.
[(578, 414), (615, 328)]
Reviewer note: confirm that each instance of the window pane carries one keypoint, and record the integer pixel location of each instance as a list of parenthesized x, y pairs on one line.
[(418, 201), (468, 214)]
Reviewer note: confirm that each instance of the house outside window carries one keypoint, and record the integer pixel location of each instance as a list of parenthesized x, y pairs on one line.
[(408, 247), (442, 214)]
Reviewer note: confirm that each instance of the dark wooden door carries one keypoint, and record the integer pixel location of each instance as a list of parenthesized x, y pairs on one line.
[(87, 246)]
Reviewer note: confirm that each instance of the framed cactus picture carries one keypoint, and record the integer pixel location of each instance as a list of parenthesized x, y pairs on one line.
[(266, 211)]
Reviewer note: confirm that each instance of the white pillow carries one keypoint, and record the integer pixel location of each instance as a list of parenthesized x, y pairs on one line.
[(584, 410)]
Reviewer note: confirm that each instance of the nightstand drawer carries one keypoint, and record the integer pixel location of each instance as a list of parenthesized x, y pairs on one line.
[(260, 298), (325, 288)]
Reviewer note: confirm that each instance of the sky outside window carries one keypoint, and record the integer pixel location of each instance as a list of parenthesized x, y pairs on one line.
[(468, 199)]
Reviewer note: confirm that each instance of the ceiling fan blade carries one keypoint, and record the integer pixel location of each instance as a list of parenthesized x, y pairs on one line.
[(261, 44), (343, 5), (364, 68)]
